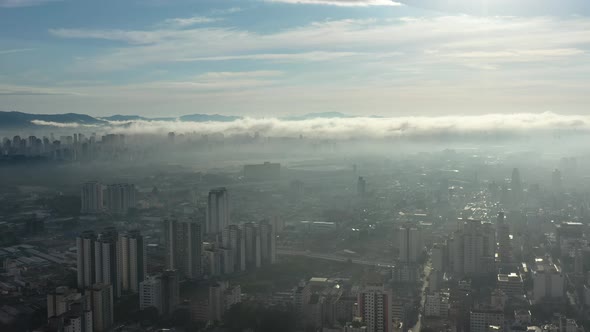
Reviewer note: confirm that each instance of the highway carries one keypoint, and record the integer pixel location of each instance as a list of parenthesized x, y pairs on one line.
[(330, 257), (425, 284)]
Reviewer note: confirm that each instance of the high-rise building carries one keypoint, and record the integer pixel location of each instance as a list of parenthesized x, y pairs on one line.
[(226, 261), (108, 260), (212, 262), (233, 238), (86, 267), (60, 301), (119, 198), (68, 311), (160, 291), (437, 305), (101, 299), (375, 305), (192, 246), (474, 248), (150, 293), (361, 186), (438, 257), (548, 282), (183, 247), (556, 181), (503, 238), (133, 261), (482, 318), (252, 244), (171, 242), (78, 321), (221, 297), (170, 291), (217, 211), (410, 242), (516, 186), (267, 243), (511, 284), (92, 200)]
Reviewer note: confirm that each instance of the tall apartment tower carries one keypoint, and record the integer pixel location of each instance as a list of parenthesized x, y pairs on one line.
[(375, 306), (85, 245), (217, 211), (119, 198), (267, 243), (92, 199), (503, 238), (170, 291), (183, 247), (107, 259), (69, 310), (150, 293), (410, 242), (171, 242), (61, 300), (252, 244), (133, 261), (221, 297), (516, 186), (233, 238), (473, 248), (361, 186), (193, 245), (101, 300)]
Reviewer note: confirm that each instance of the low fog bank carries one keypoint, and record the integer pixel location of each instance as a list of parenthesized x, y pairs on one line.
[(521, 124)]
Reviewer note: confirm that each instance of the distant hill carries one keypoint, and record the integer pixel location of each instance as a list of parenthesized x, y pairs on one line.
[(208, 117), (322, 115), (124, 118), (25, 120), (325, 115), (18, 119)]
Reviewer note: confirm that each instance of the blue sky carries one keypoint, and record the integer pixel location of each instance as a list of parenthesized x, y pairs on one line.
[(283, 57)]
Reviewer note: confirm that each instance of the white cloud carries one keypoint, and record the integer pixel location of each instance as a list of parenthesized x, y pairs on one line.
[(131, 37), (481, 39), (363, 127), (283, 57), (189, 21), (212, 81), (227, 11), (23, 3), (425, 65), (14, 90), (16, 50), (344, 3), (241, 74), (60, 124)]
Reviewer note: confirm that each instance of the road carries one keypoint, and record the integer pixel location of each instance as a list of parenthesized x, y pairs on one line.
[(330, 257), (425, 283)]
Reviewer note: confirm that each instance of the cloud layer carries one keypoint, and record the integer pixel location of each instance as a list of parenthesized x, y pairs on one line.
[(364, 127)]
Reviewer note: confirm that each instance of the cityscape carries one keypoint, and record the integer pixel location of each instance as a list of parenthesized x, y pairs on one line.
[(438, 240), (294, 166)]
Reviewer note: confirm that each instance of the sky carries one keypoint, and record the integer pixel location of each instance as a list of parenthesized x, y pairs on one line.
[(274, 58)]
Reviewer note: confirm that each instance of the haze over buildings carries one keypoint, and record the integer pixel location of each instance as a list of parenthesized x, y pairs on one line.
[(294, 166)]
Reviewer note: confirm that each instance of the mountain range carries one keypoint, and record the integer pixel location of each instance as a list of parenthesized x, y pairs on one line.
[(27, 120)]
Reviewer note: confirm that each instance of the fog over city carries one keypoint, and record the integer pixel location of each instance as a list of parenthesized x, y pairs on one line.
[(295, 166), (346, 127)]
